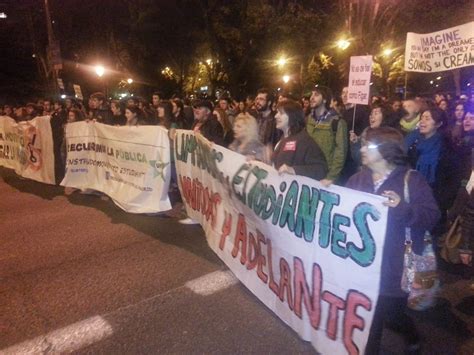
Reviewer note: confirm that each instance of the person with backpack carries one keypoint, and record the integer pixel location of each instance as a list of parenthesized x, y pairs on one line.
[(329, 131)]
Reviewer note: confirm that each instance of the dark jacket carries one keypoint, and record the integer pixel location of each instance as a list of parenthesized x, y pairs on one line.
[(421, 214), (212, 130), (103, 115), (267, 131), (302, 153)]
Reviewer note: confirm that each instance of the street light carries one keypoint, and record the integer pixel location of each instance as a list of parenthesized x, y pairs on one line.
[(343, 44), (281, 62), (129, 80), (99, 70), (286, 79), (387, 52)]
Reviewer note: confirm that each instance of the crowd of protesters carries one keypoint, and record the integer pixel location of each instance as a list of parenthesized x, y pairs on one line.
[(324, 137)]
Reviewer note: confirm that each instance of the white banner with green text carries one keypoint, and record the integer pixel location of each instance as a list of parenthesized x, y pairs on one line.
[(129, 164), (311, 254)]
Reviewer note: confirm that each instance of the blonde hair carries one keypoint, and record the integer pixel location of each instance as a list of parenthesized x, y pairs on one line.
[(250, 124)]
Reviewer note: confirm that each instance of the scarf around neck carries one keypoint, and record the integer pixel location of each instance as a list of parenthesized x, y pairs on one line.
[(429, 152)]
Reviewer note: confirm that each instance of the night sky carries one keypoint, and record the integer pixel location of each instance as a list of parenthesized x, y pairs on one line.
[(139, 38)]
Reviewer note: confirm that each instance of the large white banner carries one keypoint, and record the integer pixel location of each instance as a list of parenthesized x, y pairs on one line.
[(359, 80), (129, 164), (27, 147), (438, 51), (309, 253)]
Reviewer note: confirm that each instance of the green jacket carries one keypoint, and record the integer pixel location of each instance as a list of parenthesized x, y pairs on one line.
[(330, 133)]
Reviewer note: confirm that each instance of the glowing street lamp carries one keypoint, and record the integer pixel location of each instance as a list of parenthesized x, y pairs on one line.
[(286, 79), (130, 80), (281, 62), (343, 44), (99, 70), (387, 52)]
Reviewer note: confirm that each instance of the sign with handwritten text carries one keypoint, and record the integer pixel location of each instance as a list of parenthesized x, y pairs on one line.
[(439, 51), (359, 80)]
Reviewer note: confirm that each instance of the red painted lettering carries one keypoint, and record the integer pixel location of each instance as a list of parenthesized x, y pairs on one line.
[(352, 320), (312, 301), (336, 304)]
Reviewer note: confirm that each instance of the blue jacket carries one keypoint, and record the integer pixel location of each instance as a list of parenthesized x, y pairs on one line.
[(421, 214)]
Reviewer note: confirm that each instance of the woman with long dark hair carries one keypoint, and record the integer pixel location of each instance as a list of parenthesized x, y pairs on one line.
[(223, 119), (118, 116), (178, 113), (296, 152), (135, 116), (164, 113)]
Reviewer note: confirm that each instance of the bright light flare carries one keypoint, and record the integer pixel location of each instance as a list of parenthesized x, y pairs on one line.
[(281, 61), (343, 44), (99, 70), (286, 79), (387, 52), (130, 80)]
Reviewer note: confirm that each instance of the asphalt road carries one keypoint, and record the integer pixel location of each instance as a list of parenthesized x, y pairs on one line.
[(77, 274)]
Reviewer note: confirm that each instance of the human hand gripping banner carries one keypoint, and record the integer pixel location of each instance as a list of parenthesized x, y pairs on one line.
[(27, 147), (311, 254), (129, 164)]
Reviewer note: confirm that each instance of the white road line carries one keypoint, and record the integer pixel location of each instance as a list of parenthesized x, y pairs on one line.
[(65, 340), (211, 283), (92, 330)]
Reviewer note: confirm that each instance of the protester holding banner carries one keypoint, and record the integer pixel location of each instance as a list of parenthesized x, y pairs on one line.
[(118, 116), (246, 140), (178, 113), (205, 122), (297, 153), (135, 116), (164, 114), (99, 110), (384, 157)]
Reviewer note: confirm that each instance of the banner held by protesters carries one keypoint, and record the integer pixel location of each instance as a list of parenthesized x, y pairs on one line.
[(448, 49), (311, 254), (27, 147), (129, 164)]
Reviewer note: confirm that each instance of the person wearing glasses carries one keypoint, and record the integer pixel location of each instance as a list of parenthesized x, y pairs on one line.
[(385, 168)]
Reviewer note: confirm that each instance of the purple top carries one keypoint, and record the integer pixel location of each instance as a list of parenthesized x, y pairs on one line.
[(421, 214)]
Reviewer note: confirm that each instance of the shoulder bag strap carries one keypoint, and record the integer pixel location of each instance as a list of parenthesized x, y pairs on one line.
[(406, 197)]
